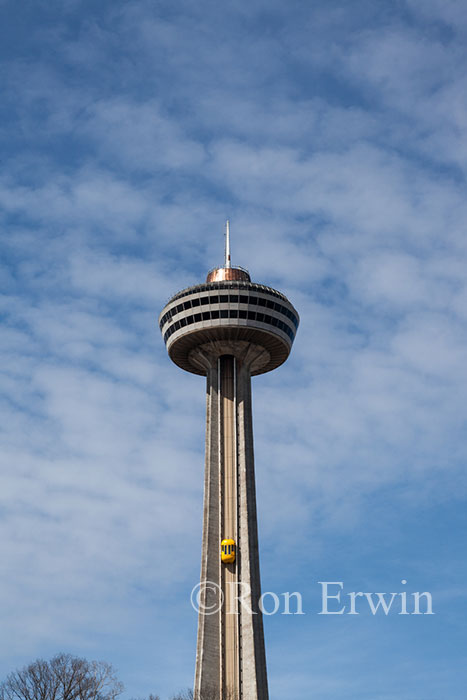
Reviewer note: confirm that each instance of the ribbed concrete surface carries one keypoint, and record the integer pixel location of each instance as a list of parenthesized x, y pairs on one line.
[(231, 662)]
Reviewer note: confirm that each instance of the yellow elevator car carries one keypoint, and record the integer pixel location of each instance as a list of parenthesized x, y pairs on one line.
[(228, 551)]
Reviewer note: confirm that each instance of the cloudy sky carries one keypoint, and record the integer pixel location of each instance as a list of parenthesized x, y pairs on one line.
[(333, 134)]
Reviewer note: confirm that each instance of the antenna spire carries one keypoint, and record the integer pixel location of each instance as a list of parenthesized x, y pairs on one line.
[(227, 244)]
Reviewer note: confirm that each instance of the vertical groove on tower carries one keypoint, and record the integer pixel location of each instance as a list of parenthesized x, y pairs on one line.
[(229, 527)]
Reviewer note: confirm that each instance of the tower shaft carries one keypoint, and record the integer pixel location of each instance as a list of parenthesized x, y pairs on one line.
[(230, 642), (230, 661)]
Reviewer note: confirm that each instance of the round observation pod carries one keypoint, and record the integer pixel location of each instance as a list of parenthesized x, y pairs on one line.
[(229, 314), (232, 311), (228, 551)]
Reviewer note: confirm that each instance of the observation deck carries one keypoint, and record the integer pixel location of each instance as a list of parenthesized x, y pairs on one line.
[(228, 308)]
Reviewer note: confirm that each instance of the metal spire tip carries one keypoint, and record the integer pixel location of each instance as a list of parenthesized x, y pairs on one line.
[(227, 244)]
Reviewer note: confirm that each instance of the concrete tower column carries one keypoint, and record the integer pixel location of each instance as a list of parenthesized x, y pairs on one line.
[(231, 660)]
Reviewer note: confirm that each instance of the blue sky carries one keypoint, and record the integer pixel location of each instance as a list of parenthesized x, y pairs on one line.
[(333, 135)]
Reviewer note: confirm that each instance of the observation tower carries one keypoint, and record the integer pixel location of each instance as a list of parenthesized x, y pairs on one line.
[(229, 329)]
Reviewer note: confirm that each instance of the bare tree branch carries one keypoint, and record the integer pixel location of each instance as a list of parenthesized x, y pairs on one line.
[(64, 677)]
